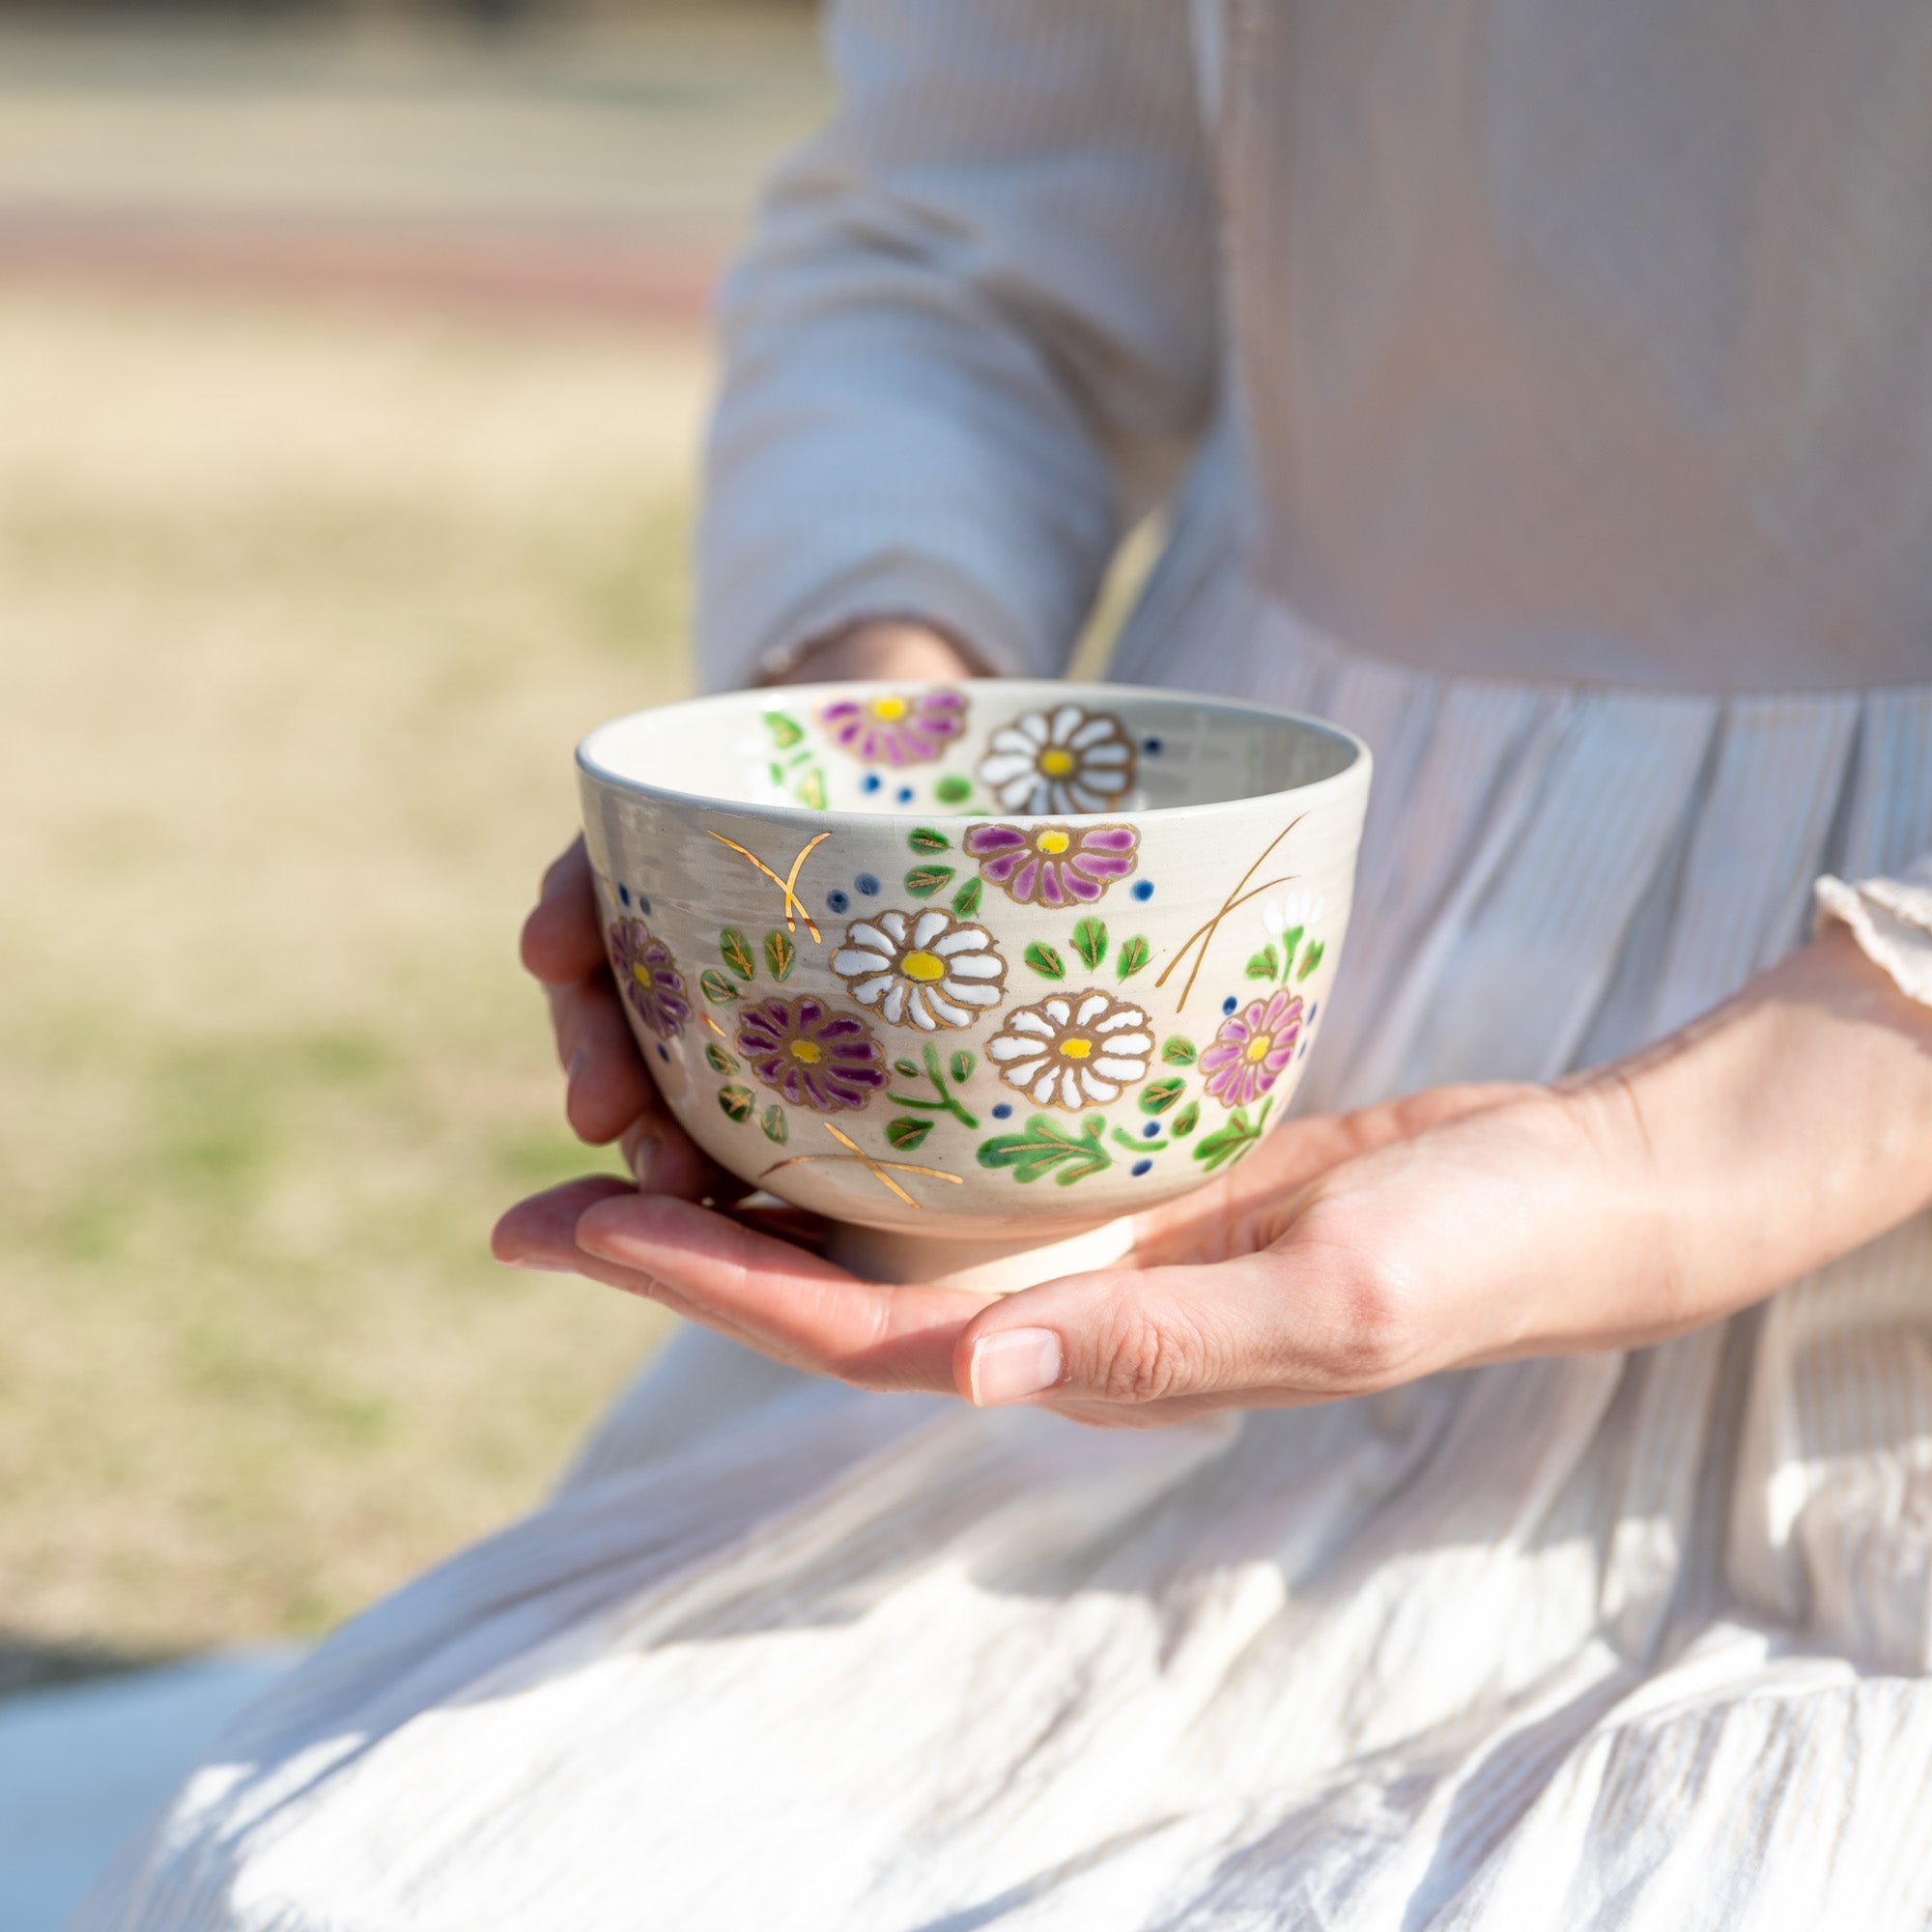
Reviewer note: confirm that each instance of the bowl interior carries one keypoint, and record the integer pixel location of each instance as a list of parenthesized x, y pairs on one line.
[(1005, 746)]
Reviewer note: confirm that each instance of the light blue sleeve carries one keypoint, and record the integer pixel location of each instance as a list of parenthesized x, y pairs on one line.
[(975, 309)]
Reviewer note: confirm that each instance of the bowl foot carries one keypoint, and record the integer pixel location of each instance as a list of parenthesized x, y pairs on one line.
[(985, 1268)]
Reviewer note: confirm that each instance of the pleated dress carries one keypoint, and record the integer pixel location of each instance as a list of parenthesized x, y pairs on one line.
[(1632, 1639)]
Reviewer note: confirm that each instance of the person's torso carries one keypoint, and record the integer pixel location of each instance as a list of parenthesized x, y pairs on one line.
[(1590, 341)]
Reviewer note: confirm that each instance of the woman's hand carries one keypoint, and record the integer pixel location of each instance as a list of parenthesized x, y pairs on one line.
[(609, 1097), (1354, 1252)]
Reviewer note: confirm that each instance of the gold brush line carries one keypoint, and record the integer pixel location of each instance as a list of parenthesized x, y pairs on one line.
[(1238, 897), (793, 904), (864, 1159)]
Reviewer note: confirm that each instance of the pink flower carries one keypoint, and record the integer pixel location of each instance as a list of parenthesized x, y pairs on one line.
[(1054, 864), (896, 728), (815, 1055), (1253, 1048), (649, 978)]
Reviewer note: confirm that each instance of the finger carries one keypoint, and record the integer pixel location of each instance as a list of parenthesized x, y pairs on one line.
[(608, 1087), (1283, 1325), (562, 939), (791, 1305)]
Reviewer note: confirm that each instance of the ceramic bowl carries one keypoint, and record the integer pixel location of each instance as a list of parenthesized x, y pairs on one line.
[(974, 970)]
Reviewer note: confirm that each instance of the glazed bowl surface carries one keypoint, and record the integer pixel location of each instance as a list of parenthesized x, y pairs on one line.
[(978, 966)]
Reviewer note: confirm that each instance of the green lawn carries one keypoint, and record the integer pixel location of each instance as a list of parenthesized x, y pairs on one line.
[(301, 615)]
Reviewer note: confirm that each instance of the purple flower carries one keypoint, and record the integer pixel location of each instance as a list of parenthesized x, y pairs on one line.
[(816, 1055), (1054, 864), (1253, 1049), (649, 978), (896, 728)]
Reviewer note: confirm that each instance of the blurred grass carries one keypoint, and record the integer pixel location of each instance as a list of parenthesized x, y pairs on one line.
[(301, 612)]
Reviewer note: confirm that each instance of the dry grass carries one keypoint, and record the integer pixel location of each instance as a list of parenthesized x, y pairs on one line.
[(300, 617)]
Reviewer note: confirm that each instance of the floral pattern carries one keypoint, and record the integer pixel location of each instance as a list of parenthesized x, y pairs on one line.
[(1253, 1049), (650, 976), (1296, 913), (1073, 1050), (1054, 864), (896, 728), (925, 969), (812, 1054), (1067, 760)]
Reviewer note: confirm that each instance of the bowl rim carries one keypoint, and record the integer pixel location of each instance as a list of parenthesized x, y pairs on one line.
[(1357, 772)]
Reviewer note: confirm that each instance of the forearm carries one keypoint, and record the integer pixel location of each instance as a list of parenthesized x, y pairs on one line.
[(1787, 1127)]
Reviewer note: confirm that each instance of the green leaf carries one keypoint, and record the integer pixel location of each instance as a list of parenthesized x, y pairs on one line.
[(716, 985), (907, 1069), (1134, 1145), (1290, 940), (737, 951), (961, 1067), (1227, 1144), (952, 789), (785, 732), (1177, 1050), (1312, 958), (1134, 954), (776, 1126), (1186, 1120), (1045, 961), (923, 881), (737, 1101), (1089, 941), (925, 838), (780, 952), (810, 790), (718, 1060), (1158, 1096), (1047, 1148), (1264, 965), (906, 1134), (966, 901)]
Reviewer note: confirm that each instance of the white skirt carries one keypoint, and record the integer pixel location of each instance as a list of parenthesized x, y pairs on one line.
[(1606, 1640)]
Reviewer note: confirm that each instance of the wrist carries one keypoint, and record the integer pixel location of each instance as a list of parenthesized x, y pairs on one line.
[(888, 647)]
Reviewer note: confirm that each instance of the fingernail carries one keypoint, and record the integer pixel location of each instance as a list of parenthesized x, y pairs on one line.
[(535, 1266), (644, 1157), (574, 1068), (1011, 1366)]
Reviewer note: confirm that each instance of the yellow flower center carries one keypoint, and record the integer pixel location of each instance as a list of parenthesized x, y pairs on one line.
[(1055, 762), (1053, 841), (923, 966), (640, 972), (1258, 1047), (807, 1050), (1077, 1048), (889, 708)]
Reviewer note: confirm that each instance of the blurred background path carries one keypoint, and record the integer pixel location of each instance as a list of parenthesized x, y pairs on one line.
[(351, 373)]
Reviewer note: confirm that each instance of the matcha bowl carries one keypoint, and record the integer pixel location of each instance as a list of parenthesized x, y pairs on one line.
[(977, 971)]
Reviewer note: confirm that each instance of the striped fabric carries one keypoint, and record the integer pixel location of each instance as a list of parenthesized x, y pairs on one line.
[(1593, 1642)]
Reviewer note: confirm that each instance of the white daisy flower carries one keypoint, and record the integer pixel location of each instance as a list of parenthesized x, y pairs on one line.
[(924, 969), (1297, 909), (1066, 761), (1073, 1050)]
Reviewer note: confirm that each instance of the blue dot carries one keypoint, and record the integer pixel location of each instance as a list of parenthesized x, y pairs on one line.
[(1143, 889), (839, 901), (1303, 1054), (623, 895), (1229, 1005), (1152, 747), (903, 794), (644, 906), (1151, 1131), (1312, 1011), (663, 1054), (870, 783), (868, 885), (1141, 1167), (1003, 1112)]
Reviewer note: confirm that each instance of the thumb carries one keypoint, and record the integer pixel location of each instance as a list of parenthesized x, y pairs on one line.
[(1300, 1321)]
